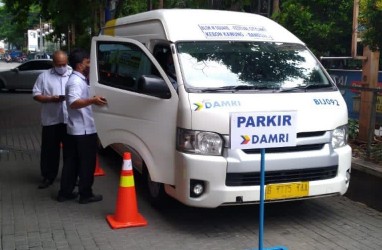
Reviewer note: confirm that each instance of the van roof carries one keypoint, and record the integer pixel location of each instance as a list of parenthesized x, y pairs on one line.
[(198, 24)]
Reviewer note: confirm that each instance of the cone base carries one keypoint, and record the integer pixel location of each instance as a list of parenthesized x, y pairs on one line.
[(138, 221), (99, 172)]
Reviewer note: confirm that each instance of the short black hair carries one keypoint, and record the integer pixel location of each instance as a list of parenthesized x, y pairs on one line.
[(77, 56)]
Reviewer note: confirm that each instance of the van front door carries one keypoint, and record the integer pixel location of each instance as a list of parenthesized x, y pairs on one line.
[(141, 119)]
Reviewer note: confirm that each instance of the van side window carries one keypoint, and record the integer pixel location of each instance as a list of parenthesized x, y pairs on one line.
[(120, 65), (163, 55)]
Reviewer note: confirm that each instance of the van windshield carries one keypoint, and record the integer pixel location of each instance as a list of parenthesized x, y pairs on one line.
[(246, 66)]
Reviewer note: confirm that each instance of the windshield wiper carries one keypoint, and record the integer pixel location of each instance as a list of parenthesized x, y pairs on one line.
[(307, 87), (233, 88)]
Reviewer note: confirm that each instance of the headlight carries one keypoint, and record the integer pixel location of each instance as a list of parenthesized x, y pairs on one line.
[(340, 137), (199, 142)]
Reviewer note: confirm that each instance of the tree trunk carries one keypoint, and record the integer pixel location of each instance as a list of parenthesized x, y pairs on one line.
[(118, 8), (216, 4), (276, 6)]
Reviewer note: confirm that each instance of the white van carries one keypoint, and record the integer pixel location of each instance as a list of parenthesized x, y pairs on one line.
[(174, 77)]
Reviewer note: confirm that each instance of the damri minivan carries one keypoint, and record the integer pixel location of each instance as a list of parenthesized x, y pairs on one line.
[(173, 78)]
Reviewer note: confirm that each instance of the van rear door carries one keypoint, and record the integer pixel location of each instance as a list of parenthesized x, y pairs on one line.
[(142, 104)]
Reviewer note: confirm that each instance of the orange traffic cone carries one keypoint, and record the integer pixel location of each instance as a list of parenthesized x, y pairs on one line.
[(126, 212), (98, 170)]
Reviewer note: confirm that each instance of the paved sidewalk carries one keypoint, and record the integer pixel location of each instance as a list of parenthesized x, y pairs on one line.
[(31, 218)]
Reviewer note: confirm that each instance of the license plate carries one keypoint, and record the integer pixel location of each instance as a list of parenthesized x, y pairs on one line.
[(286, 190)]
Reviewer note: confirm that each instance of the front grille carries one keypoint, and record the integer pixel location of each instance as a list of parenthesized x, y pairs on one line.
[(299, 148), (281, 176), (310, 134)]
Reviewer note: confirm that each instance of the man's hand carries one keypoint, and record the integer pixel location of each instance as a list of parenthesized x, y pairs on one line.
[(99, 100), (57, 98), (81, 103), (47, 99)]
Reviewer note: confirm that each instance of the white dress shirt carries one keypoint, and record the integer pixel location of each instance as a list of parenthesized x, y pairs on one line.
[(49, 83), (80, 121)]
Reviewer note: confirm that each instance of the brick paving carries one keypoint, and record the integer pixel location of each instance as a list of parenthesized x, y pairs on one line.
[(31, 218)]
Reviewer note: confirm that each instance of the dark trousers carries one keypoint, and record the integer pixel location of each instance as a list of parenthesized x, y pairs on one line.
[(52, 137), (80, 161)]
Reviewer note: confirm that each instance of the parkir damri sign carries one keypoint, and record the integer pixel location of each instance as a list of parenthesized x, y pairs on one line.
[(263, 129)]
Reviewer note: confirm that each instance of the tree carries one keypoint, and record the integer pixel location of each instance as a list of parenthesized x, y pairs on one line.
[(16, 20), (198, 4), (324, 25), (370, 19), (77, 19), (129, 7)]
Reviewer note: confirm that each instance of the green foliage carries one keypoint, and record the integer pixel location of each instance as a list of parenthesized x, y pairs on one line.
[(376, 152), (18, 20), (324, 25), (370, 19), (77, 19), (130, 7), (353, 128)]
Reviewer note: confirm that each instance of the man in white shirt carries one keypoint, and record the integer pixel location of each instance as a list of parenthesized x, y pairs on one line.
[(49, 90), (82, 134)]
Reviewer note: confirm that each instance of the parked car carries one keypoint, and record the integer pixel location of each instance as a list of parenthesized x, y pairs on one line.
[(38, 55), (15, 55), (24, 75)]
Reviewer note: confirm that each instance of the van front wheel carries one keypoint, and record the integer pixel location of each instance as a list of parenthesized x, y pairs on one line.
[(156, 191)]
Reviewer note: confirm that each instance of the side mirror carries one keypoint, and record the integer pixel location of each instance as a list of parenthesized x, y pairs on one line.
[(153, 85), (16, 70)]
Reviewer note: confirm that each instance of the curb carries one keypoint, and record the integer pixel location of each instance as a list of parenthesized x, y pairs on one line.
[(367, 167)]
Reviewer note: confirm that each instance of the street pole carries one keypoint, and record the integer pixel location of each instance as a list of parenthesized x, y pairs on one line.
[(354, 41), (40, 36)]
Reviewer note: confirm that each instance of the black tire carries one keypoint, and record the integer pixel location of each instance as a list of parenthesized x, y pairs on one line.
[(2, 85), (157, 195)]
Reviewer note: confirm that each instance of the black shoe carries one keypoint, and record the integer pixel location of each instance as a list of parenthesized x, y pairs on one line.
[(45, 183), (93, 198), (62, 198)]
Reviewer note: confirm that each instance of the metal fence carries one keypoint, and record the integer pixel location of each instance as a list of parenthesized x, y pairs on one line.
[(349, 82)]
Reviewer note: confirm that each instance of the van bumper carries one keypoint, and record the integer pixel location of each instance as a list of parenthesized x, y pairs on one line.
[(212, 171)]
